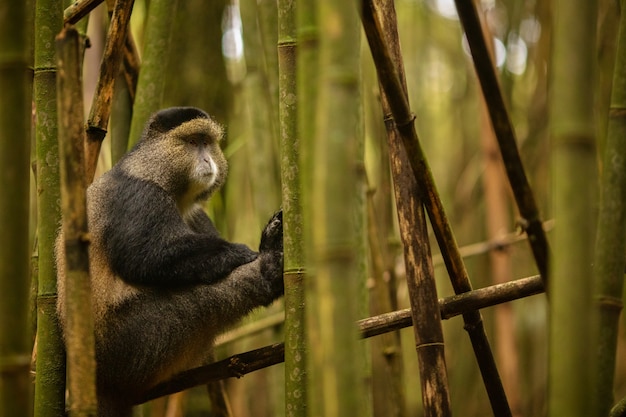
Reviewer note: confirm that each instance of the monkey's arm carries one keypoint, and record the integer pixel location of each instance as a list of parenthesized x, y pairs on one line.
[(149, 244)]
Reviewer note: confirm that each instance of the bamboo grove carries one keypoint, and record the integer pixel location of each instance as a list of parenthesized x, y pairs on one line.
[(430, 178)]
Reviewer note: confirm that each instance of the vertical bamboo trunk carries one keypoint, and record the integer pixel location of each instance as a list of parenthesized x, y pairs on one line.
[(497, 219), (306, 86), (151, 83), (294, 275), (50, 376), (388, 376), (417, 256), (337, 385), (260, 115), (15, 110), (610, 246), (267, 12), (388, 397), (81, 363), (572, 130)]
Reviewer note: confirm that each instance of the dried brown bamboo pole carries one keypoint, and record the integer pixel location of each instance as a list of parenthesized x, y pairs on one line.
[(81, 8), (131, 64), (238, 365), (456, 305), (79, 335), (503, 128), (398, 104), (417, 256), (103, 96)]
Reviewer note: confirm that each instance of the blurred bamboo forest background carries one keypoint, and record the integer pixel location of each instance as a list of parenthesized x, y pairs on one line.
[(222, 56)]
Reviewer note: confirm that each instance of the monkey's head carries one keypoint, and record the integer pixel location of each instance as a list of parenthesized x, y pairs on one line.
[(179, 150)]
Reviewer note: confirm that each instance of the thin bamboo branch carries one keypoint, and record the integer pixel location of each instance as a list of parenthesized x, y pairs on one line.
[(243, 363), (103, 96), (256, 327), (498, 243), (455, 305), (235, 366), (404, 121), (79, 9), (80, 343), (505, 134)]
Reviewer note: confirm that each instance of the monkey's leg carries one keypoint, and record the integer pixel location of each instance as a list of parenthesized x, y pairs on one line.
[(160, 333)]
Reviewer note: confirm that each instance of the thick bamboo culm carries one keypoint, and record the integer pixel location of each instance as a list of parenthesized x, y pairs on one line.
[(79, 335)]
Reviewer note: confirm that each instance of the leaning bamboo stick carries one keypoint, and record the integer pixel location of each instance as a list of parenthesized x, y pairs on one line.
[(505, 134), (79, 9), (103, 97)]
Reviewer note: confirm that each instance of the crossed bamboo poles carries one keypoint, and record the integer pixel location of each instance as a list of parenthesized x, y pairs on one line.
[(379, 22)]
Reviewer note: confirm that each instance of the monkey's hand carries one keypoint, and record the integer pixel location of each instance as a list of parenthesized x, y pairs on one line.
[(271, 256), (272, 236)]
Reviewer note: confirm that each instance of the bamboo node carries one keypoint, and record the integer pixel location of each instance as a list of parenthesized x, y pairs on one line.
[(10, 364), (610, 302), (430, 344)]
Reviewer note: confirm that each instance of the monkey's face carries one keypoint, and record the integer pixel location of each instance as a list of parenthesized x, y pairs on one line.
[(180, 154), (207, 165)]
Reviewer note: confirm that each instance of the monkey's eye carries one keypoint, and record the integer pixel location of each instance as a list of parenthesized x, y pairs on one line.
[(198, 141)]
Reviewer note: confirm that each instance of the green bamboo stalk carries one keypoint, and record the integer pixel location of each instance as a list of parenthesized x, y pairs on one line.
[(15, 110), (50, 377), (338, 383), (307, 58), (294, 275), (264, 154), (610, 246), (81, 362), (574, 183), (267, 12), (151, 83)]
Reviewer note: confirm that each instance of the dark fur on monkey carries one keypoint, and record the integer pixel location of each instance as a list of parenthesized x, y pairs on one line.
[(164, 283)]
